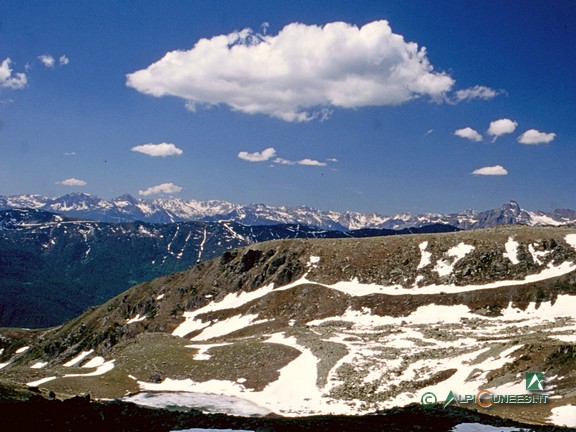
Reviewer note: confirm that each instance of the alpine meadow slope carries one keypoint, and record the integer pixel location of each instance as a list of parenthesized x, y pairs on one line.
[(331, 326)]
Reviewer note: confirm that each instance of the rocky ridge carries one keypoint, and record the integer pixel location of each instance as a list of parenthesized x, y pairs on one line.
[(53, 267)]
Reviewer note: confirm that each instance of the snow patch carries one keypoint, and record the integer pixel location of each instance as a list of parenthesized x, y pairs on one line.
[(38, 365), (145, 232), (137, 318), (423, 315), (432, 313), (40, 381), (22, 350), (78, 358), (95, 362), (100, 370), (536, 255), (464, 370), (565, 338), (227, 326), (294, 392), (313, 260), (512, 250), (209, 403), (295, 389), (540, 219), (425, 259), (202, 349), (455, 254), (231, 301), (564, 416)]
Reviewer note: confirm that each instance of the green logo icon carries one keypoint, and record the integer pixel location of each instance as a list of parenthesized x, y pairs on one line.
[(535, 381), (451, 397)]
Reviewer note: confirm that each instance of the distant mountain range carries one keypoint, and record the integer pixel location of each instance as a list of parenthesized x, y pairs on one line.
[(126, 208)]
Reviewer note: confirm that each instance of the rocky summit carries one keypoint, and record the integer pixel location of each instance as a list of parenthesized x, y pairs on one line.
[(333, 326)]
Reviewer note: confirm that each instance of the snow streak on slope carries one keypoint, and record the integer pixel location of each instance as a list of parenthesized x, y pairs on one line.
[(356, 288), (201, 248)]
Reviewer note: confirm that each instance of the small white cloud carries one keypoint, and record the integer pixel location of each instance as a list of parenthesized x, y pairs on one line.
[(262, 156), (298, 74), (532, 136), (476, 92), (72, 182), (305, 162), (166, 188), (270, 154), (496, 170), (265, 26), (47, 60), (158, 150), (282, 161), (9, 79), (468, 133), (501, 127), (311, 162), (69, 153)]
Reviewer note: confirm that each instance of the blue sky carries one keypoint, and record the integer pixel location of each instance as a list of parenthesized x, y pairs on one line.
[(333, 104)]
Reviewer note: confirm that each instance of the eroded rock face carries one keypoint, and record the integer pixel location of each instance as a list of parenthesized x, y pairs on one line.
[(376, 321)]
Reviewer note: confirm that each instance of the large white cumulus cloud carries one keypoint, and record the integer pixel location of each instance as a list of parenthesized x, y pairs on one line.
[(298, 73)]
